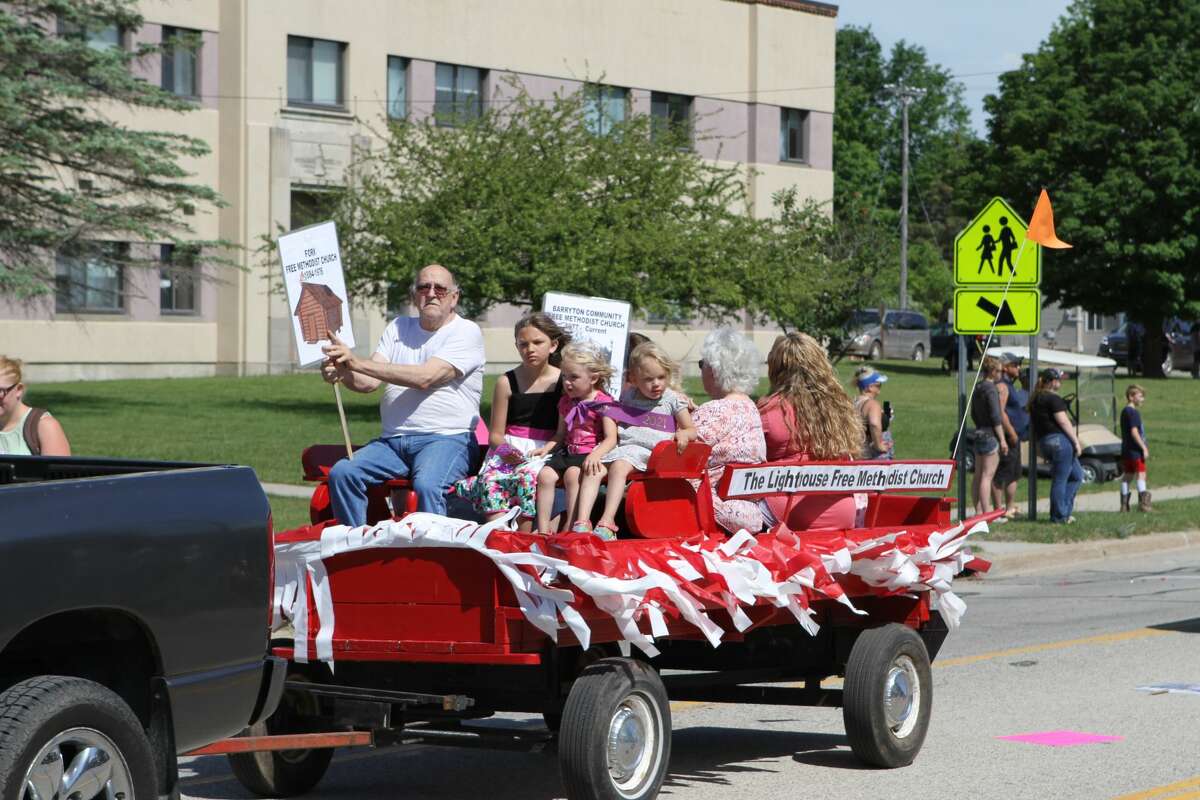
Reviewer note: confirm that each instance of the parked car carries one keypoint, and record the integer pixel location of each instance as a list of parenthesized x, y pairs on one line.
[(136, 601), (1178, 350), (904, 334)]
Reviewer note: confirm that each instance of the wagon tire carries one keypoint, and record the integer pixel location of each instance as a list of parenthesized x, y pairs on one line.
[(283, 773), (66, 737), (887, 696), (615, 740), (1093, 470)]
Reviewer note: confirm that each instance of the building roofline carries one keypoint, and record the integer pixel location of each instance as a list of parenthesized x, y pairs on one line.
[(807, 6)]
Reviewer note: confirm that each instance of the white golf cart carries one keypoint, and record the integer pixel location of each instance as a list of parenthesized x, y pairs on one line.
[(1093, 406)]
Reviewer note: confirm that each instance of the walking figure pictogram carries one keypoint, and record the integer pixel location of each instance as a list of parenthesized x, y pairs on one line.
[(988, 245), (1008, 243)]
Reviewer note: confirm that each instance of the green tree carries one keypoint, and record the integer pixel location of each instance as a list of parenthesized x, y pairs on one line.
[(867, 158), (527, 199), (71, 176), (1105, 116), (811, 271)]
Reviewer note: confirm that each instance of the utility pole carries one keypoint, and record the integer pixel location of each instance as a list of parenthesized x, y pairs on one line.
[(906, 95)]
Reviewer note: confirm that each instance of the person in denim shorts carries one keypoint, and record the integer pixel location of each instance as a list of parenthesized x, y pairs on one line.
[(989, 443)]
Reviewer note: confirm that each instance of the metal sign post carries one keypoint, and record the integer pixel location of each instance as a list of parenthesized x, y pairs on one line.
[(961, 455), (1033, 350)]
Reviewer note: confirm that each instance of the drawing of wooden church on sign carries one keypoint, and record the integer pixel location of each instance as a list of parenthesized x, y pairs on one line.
[(320, 312)]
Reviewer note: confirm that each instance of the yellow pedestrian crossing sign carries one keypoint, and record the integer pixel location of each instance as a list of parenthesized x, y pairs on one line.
[(1016, 313), (986, 251)]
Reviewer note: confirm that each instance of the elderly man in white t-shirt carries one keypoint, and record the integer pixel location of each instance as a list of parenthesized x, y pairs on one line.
[(432, 366)]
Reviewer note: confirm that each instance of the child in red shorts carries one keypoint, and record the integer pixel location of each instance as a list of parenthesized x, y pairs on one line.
[(1134, 451)]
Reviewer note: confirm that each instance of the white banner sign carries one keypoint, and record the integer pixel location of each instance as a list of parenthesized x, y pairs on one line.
[(897, 476), (316, 289), (596, 319)]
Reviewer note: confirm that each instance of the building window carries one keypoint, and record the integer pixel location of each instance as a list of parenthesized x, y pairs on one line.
[(177, 280), (314, 72), (793, 143), (91, 281), (1095, 322), (604, 107), (179, 61), (110, 37), (459, 97), (397, 87), (671, 115), (310, 206)]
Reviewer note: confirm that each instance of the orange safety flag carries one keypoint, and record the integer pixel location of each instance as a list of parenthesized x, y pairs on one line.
[(1041, 224)]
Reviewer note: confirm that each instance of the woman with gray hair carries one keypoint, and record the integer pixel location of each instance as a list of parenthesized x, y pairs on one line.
[(730, 423)]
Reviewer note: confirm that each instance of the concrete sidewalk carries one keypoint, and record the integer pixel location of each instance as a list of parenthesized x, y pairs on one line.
[(1019, 558)]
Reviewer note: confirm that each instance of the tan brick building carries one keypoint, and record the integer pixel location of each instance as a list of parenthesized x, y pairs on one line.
[(283, 89)]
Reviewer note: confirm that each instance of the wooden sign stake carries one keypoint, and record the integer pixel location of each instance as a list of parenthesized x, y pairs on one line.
[(337, 393)]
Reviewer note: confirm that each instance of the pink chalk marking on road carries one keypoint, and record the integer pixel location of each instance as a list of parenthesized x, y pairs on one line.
[(1061, 738)]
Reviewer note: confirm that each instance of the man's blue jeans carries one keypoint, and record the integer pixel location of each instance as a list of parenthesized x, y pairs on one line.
[(1066, 472), (434, 462)]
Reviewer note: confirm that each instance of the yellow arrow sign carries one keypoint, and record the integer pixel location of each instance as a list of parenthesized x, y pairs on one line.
[(1018, 312), (985, 252)]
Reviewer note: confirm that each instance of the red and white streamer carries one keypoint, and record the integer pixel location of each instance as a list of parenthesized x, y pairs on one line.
[(638, 581)]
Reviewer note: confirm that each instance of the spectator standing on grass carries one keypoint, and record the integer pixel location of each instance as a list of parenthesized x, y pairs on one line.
[(25, 430), (1015, 419), (432, 368), (877, 440), (990, 440), (1134, 450), (1055, 435)]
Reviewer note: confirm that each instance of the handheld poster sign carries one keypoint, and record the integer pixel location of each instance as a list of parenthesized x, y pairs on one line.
[(596, 319), (316, 289)]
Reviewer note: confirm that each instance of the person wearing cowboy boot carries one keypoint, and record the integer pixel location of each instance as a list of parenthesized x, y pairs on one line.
[(1134, 451)]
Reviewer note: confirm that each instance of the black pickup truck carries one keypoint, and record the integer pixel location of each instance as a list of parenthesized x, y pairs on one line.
[(134, 621)]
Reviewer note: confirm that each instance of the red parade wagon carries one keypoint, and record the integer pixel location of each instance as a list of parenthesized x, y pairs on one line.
[(425, 640)]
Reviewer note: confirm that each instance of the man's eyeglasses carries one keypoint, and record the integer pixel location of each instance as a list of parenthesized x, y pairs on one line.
[(4, 390), (436, 289)]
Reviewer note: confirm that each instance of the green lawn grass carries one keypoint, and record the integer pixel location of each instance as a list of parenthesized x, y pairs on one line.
[(1169, 515), (266, 421)]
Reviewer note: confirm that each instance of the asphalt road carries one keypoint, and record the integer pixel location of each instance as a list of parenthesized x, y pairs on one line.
[(1062, 651)]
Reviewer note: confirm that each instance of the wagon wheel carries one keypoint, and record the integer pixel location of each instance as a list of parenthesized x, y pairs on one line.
[(284, 773), (888, 695), (615, 740)]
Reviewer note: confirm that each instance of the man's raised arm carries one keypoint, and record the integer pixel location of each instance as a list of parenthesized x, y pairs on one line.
[(366, 374)]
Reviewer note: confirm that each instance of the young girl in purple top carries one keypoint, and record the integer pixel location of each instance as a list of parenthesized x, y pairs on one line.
[(650, 411)]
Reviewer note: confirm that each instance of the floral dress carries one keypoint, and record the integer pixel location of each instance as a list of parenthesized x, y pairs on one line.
[(733, 428), (532, 421)]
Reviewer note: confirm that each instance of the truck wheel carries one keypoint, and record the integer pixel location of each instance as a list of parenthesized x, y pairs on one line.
[(615, 740), (69, 737), (887, 696), (875, 352), (1093, 471), (283, 773), (918, 353)]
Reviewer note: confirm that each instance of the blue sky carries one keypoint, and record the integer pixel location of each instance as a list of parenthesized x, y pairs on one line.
[(964, 36)]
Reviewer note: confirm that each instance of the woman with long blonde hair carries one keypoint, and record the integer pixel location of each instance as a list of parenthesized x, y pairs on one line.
[(808, 417)]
